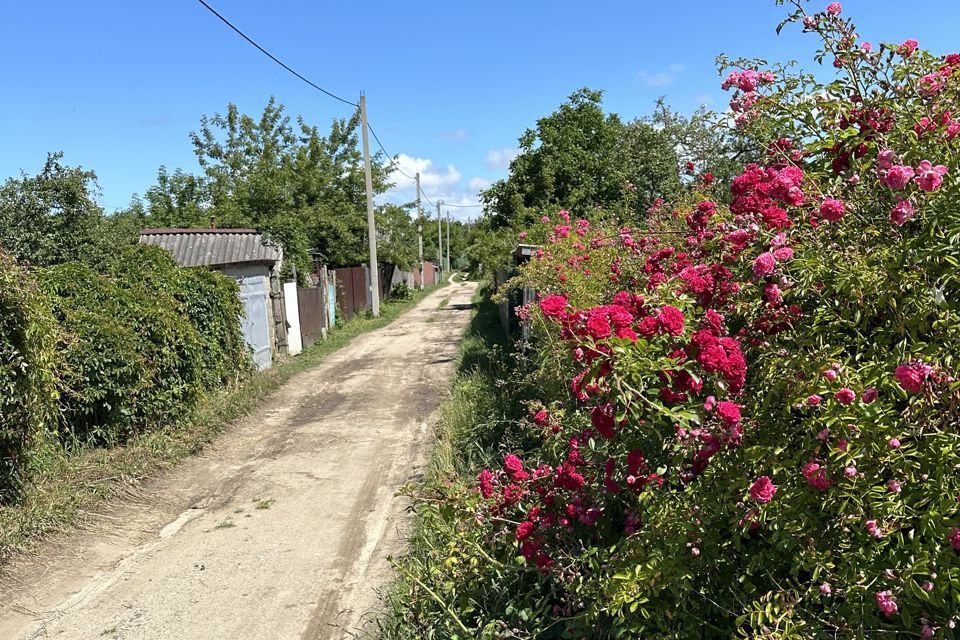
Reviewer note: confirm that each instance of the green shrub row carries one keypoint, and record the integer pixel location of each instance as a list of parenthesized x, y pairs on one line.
[(92, 358)]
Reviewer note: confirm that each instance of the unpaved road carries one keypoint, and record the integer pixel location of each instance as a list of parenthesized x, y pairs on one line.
[(281, 528)]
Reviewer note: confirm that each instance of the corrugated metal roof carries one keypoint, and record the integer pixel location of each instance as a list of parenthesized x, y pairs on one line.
[(213, 247)]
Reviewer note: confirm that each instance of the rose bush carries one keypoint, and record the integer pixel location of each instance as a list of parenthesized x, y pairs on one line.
[(749, 421)]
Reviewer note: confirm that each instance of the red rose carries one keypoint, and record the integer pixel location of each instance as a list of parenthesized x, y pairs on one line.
[(763, 490)]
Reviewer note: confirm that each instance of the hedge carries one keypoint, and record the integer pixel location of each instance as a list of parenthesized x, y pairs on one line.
[(91, 358)]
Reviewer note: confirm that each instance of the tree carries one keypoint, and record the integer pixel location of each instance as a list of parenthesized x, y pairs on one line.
[(53, 217), (707, 143), (397, 236), (583, 159), (303, 190), (178, 200)]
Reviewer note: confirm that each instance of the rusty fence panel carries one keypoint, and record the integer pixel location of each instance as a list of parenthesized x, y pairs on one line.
[(351, 291), (310, 302)]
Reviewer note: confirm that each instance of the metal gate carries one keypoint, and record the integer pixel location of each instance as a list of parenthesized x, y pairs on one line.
[(255, 293), (312, 314)]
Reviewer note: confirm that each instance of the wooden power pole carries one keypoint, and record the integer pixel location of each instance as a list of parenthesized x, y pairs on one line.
[(448, 240), (371, 221), (420, 231)]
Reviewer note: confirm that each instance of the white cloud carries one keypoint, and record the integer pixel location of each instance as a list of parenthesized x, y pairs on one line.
[(479, 184), (704, 99), (660, 78), (499, 159), (460, 135), (437, 184), (432, 178)]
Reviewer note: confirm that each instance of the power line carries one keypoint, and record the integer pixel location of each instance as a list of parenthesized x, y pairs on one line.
[(393, 162), (464, 206), (273, 57), (401, 172)]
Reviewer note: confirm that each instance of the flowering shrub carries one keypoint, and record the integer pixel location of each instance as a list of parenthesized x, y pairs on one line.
[(758, 427)]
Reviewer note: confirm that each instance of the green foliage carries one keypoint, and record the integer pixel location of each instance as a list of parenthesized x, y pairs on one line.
[(396, 236), (400, 291), (53, 217), (27, 391), (140, 344), (848, 325), (302, 189), (584, 159)]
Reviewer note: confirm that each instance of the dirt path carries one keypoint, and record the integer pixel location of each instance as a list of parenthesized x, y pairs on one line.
[(278, 530)]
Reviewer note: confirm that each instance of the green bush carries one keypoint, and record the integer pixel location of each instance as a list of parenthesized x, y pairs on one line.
[(102, 376), (141, 344), (27, 393), (748, 422), (213, 305), (400, 291)]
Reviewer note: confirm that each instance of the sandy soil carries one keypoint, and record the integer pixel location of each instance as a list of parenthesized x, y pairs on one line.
[(281, 528)]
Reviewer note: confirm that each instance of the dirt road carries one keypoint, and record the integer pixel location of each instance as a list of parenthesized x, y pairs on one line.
[(280, 529)]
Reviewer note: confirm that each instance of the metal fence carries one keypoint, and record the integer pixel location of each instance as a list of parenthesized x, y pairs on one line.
[(313, 313)]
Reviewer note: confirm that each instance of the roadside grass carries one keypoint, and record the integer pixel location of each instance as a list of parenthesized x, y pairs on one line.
[(68, 490), (461, 446)]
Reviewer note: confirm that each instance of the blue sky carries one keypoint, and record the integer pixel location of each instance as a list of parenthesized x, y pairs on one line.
[(118, 86)]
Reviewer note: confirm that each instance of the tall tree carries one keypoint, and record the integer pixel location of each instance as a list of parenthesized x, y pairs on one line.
[(179, 199), (304, 190), (583, 159), (53, 217)]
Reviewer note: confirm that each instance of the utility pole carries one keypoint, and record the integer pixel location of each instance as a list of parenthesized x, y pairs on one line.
[(420, 230), (448, 240), (439, 237), (371, 221)]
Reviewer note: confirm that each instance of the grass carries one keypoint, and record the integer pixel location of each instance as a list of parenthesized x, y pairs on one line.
[(225, 524), (263, 503), (67, 490), (462, 445)]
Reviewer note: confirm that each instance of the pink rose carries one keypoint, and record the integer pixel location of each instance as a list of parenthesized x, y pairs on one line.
[(898, 176), (814, 400), (816, 476), (834, 8), (955, 538), (670, 319), (554, 306), (901, 213), (764, 264), (912, 375), (930, 84), (887, 603), (825, 588), (908, 47), (832, 209), (869, 395), (763, 490), (783, 254), (886, 158), (893, 443), (845, 396), (929, 177)]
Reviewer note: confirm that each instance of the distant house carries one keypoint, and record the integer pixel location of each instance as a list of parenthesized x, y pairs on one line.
[(245, 255)]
